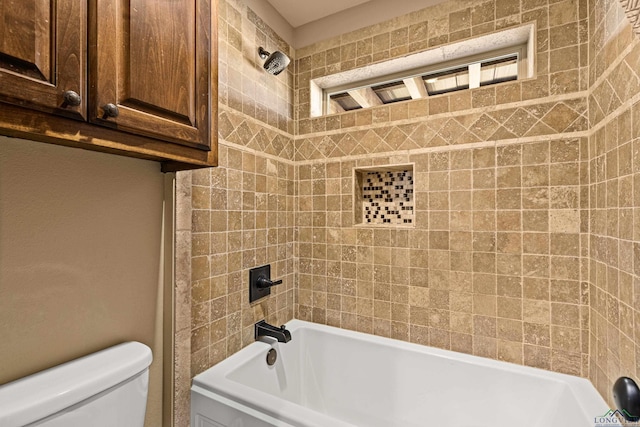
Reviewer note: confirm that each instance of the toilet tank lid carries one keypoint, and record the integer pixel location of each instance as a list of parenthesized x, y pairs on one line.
[(44, 393)]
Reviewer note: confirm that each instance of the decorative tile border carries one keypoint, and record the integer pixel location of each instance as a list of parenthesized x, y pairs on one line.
[(615, 87), (569, 115), (246, 131)]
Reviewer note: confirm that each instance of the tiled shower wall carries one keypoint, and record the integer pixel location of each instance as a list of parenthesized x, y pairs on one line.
[(525, 205), (495, 264), (492, 266), (614, 154), (239, 215)]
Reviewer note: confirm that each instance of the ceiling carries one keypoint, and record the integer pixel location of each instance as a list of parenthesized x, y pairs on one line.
[(298, 13), (304, 22)]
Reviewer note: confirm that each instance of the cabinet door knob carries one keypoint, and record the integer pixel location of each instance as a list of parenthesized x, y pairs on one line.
[(71, 99), (110, 110)]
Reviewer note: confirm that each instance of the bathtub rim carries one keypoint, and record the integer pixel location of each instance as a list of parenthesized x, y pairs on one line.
[(216, 379)]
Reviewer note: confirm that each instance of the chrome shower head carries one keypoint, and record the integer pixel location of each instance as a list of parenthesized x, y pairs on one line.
[(275, 62)]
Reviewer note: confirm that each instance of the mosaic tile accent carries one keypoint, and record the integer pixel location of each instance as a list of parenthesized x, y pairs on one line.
[(388, 197)]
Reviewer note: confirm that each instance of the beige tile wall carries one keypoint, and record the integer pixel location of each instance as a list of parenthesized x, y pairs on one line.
[(242, 218), (614, 154), (243, 85), (242, 211), (531, 120), (239, 215), (494, 265), (524, 247), (561, 56)]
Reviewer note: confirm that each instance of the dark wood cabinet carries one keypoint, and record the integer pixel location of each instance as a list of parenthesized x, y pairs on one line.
[(132, 77), (151, 66), (43, 55)]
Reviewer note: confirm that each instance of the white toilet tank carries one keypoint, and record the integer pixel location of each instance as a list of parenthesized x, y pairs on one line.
[(103, 389)]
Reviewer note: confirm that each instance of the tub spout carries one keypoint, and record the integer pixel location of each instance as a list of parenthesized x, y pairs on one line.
[(263, 329)]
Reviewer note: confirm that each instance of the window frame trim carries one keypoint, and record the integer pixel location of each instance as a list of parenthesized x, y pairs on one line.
[(520, 50), (523, 34)]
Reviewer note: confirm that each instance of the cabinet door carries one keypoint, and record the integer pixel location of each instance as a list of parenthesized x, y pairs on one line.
[(42, 55), (150, 70)]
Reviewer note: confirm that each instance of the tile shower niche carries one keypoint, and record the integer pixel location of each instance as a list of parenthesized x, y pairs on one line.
[(384, 196)]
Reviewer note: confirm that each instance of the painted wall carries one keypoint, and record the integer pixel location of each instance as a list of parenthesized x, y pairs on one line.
[(80, 258)]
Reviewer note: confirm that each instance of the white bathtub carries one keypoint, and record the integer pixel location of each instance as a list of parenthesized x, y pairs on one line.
[(331, 377)]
